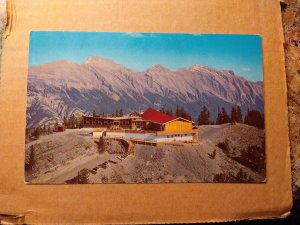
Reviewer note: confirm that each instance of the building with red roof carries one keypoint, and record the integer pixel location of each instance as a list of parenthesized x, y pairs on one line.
[(156, 116), (150, 125)]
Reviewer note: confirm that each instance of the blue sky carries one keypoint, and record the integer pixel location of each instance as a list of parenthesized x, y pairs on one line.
[(139, 51)]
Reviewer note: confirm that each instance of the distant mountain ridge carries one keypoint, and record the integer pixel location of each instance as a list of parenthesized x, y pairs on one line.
[(63, 87)]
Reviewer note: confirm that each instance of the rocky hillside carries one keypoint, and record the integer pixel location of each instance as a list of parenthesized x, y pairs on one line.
[(225, 153), (63, 87)]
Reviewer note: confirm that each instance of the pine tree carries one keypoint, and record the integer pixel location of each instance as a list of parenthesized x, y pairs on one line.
[(236, 115), (56, 125), (49, 128), (254, 118), (239, 116), (44, 129), (79, 121), (233, 115), (219, 117), (222, 117), (121, 112), (177, 113), (83, 176), (181, 112), (225, 117), (65, 121), (169, 112), (32, 160), (38, 132), (184, 114), (204, 117), (27, 134), (72, 121), (117, 113)]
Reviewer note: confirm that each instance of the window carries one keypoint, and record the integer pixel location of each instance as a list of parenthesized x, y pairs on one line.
[(167, 136)]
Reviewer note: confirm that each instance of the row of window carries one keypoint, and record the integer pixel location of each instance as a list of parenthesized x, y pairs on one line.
[(176, 135), (98, 122)]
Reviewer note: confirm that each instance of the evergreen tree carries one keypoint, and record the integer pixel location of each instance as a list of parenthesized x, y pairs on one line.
[(44, 129), (72, 121), (177, 113), (222, 117), (27, 134), (204, 117), (184, 114), (219, 117), (162, 110), (121, 112), (38, 132), (236, 115), (79, 121), (169, 112), (181, 112), (49, 128), (254, 118), (56, 125), (239, 116), (117, 113), (83, 176), (225, 116), (32, 160), (65, 121)]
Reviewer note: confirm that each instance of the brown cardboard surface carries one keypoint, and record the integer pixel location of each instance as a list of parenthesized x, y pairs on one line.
[(143, 203)]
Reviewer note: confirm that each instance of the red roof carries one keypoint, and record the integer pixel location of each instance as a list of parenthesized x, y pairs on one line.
[(156, 116)]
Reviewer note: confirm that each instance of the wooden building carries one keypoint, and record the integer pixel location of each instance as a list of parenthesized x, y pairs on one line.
[(172, 127), (114, 122), (159, 125)]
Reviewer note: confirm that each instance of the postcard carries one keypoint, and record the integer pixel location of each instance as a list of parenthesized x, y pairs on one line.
[(183, 120), (144, 108)]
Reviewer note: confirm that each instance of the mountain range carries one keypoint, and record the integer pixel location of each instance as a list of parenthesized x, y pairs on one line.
[(63, 87)]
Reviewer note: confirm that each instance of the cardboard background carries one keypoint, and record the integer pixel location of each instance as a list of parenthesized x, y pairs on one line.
[(142, 203)]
